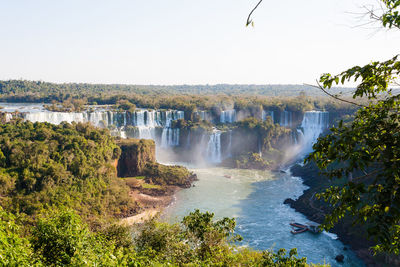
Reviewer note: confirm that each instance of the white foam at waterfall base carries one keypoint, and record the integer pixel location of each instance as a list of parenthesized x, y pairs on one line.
[(146, 132), (313, 125)]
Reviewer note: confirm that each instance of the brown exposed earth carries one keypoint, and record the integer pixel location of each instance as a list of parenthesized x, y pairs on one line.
[(151, 200)]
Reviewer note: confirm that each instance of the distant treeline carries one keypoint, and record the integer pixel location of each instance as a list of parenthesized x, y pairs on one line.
[(31, 87), (189, 98)]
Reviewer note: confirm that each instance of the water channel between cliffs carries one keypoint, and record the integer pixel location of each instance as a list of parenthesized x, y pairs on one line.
[(255, 199)]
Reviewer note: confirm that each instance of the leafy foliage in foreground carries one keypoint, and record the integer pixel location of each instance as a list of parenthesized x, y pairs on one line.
[(371, 145), (44, 165), (62, 239)]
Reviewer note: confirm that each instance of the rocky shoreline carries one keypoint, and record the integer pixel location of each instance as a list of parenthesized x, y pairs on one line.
[(315, 210)]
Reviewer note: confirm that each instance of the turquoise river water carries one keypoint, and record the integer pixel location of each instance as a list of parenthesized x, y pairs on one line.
[(255, 199)]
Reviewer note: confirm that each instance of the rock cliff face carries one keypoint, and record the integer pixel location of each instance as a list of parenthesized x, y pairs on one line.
[(135, 154)]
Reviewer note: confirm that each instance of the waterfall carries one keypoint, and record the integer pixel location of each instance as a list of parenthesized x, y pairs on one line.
[(169, 137), (204, 115), (9, 117), (97, 118), (294, 136), (172, 115), (214, 147), (229, 149), (122, 134), (286, 119), (313, 124), (228, 116), (188, 140), (55, 117), (146, 121), (267, 113)]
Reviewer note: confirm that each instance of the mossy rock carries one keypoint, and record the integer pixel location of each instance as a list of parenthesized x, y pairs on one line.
[(135, 154)]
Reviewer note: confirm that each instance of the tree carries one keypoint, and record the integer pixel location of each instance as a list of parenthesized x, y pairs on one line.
[(61, 238), (15, 250), (200, 241), (368, 147)]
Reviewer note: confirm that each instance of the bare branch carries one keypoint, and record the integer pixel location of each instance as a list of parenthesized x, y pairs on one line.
[(366, 175), (335, 97), (375, 17), (249, 20)]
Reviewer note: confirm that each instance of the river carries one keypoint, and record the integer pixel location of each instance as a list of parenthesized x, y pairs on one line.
[(255, 199)]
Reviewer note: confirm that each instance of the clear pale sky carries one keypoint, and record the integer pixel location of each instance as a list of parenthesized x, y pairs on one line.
[(185, 41)]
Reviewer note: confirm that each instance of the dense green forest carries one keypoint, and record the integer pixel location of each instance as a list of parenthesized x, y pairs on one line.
[(44, 165), (62, 238), (60, 198), (58, 182)]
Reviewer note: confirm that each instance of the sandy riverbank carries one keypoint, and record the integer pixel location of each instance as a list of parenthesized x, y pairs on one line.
[(141, 217), (152, 205)]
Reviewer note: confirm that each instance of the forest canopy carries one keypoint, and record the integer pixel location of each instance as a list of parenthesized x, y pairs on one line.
[(44, 165)]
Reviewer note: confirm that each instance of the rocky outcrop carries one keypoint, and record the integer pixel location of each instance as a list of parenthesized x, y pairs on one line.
[(138, 159), (135, 155)]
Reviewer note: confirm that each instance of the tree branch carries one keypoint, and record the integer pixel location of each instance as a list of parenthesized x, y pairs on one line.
[(366, 175), (249, 20), (335, 97), (372, 14)]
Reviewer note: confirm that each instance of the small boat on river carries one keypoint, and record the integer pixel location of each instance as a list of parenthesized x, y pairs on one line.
[(298, 225), (299, 228), (299, 231), (227, 176)]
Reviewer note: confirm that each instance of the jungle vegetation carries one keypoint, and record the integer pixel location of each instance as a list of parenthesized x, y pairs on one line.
[(369, 144), (44, 165), (62, 238), (60, 202)]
